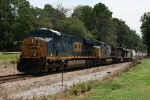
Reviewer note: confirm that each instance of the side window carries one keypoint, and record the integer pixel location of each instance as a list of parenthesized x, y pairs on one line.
[(70, 39), (66, 39), (57, 37)]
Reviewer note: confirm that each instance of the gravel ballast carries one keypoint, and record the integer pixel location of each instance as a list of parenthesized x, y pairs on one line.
[(52, 84)]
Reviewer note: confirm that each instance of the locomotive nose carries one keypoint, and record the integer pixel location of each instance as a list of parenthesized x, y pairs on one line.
[(33, 47), (33, 54)]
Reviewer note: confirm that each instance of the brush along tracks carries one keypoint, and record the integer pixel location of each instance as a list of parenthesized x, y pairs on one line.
[(12, 78)]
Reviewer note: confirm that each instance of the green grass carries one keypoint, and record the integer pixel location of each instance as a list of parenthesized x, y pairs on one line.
[(8, 56), (133, 85)]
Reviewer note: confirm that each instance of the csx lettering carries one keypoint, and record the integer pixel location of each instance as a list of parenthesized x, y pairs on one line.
[(31, 46)]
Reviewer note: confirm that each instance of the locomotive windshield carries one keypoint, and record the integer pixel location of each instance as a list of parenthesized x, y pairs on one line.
[(41, 33)]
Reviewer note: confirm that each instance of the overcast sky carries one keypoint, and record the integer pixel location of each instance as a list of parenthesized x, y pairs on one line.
[(129, 11)]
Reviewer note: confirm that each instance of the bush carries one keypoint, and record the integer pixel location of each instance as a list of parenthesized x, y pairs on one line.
[(80, 88)]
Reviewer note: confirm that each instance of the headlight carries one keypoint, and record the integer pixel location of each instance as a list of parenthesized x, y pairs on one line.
[(34, 54)]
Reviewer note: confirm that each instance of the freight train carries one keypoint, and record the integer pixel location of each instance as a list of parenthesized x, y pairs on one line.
[(44, 50)]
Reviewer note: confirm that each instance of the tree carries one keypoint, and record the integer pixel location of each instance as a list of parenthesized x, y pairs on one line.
[(122, 30), (104, 24), (98, 21), (145, 29), (102, 11), (23, 21), (6, 20), (53, 15), (97, 34), (41, 18), (36, 17), (126, 37), (87, 15), (72, 26)]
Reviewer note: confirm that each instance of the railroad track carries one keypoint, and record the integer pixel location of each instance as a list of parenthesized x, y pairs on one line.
[(17, 77), (12, 78)]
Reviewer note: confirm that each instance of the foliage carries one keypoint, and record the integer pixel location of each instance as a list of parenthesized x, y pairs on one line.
[(72, 26), (104, 24), (98, 21), (126, 37), (90, 36), (97, 34), (85, 14), (80, 88), (16, 21), (6, 19), (145, 29)]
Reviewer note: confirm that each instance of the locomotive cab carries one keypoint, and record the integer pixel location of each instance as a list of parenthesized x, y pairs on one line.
[(34, 51)]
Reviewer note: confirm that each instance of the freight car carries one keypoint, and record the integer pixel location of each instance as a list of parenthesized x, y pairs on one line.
[(44, 50)]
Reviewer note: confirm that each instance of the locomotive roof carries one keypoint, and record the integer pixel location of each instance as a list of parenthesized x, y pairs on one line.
[(54, 31), (58, 33)]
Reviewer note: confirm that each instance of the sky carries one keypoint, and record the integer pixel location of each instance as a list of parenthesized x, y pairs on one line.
[(129, 11)]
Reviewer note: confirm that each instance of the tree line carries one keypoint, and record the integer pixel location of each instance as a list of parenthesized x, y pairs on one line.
[(145, 29), (18, 17)]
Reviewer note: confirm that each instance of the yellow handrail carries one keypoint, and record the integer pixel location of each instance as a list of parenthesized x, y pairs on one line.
[(41, 51)]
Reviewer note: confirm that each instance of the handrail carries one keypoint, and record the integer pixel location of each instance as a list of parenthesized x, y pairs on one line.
[(41, 51)]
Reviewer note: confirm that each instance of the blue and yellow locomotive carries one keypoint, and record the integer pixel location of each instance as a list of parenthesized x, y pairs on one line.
[(44, 49)]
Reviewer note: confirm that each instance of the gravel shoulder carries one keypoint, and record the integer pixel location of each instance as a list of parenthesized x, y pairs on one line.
[(52, 84), (7, 67)]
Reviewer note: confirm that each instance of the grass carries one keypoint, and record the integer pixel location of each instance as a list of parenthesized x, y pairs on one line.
[(8, 60), (133, 85), (8, 56)]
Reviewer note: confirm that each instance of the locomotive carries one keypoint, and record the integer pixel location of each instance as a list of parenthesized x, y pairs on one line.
[(44, 50)]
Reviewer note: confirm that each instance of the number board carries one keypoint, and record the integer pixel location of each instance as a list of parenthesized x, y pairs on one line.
[(77, 46)]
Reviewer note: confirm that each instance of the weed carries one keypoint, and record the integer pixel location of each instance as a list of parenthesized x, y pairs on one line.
[(13, 62), (81, 87)]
